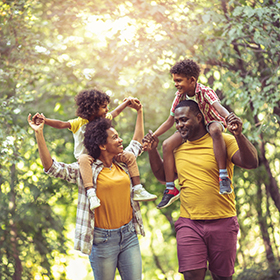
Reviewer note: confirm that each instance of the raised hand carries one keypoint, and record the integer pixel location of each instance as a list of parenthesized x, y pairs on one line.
[(38, 118), (234, 124), (34, 123)]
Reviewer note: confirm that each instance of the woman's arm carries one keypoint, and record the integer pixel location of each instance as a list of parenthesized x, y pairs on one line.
[(42, 146), (139, 126)]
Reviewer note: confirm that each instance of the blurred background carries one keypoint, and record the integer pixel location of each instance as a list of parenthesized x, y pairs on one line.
[(52, 49)]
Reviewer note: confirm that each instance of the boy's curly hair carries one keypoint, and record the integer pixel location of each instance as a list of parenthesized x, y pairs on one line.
[(89, 102), (187, 68), (96, 135)]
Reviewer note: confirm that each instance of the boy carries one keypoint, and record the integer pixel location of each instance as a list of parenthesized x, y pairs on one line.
[(93, 104), (185, 74)]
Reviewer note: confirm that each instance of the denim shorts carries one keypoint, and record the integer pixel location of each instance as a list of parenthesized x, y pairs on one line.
[(202, 241), (116, 248)]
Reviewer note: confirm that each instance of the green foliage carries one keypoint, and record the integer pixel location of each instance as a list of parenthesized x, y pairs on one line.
[(50, 50), (260, 272)]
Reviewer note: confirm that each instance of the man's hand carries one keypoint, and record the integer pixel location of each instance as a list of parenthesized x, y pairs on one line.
[(234, 124), (150, 141)]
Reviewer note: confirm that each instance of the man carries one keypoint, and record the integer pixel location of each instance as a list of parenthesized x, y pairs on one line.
[(207, 227)]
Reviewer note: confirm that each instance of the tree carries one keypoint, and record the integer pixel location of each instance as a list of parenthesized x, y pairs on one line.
[(52, 49)]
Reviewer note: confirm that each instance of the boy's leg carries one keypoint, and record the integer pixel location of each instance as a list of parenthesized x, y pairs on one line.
[(85, 162), (171, 193), (215, 129), (140, 194)]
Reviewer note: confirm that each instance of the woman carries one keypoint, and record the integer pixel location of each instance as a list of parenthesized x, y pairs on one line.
[(109, 234)]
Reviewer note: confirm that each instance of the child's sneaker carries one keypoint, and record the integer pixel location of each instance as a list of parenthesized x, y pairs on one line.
[(142, 195), (169, 196), (94, 201), (225, 185)]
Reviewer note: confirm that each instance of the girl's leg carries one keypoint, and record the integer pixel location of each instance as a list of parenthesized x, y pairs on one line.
[(215, 129), (85, 161), (171, 193), (130, 262), (139, 193)]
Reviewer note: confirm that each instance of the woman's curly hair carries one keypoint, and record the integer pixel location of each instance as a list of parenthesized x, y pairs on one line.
[(95, 135), (89, 102), (187, 68)]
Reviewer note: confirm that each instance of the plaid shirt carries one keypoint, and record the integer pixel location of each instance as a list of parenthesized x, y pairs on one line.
[(205, 97), (85, 217)]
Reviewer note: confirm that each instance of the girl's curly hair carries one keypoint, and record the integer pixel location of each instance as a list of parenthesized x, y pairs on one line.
[(95, 135), (187, 68), (89, 102)]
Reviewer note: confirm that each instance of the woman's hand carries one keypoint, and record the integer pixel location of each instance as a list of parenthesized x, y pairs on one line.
[(34, 124), (134, 103)]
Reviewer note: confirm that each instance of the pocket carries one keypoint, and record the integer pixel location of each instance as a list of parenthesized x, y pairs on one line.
[(100, 237), (236, 224), (233, 224), (177, 224), (132, 228)]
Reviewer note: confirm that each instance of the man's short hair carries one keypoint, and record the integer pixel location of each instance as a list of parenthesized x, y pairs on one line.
[(191, 104), (95, 135), (187, 68)]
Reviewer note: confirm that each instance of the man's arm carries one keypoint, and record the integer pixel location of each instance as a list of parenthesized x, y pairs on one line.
[(246, 156), (155, 159)]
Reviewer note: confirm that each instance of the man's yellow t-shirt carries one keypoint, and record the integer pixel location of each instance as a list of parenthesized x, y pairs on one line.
[(198, 175)]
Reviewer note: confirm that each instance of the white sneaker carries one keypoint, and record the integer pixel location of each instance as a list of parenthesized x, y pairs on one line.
[(94, 201), (142, 195)]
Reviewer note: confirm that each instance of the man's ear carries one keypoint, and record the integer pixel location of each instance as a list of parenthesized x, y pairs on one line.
[(200, 117)]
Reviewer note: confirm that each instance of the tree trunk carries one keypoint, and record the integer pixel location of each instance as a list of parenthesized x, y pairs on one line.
[(13, 232)]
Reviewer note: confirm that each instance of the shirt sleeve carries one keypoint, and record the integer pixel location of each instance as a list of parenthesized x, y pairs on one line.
[(211, 96), (67, 172), (135, 147), (174, 104), (231, 144)]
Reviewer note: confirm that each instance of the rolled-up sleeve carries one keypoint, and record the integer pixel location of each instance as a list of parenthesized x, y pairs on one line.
[(135, 147), (68, 172)]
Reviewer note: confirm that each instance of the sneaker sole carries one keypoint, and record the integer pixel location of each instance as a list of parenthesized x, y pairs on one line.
[(170, 201), (144, 199), (94, 207), (226, 192)]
